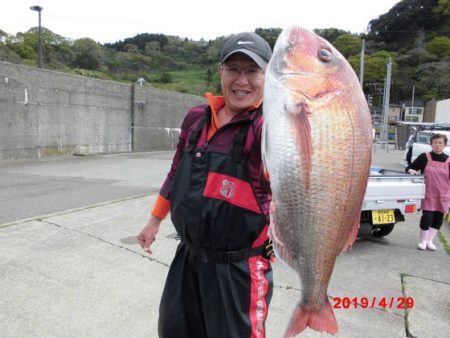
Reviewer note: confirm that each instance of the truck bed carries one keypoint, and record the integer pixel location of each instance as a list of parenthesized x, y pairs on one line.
[(393, 190)]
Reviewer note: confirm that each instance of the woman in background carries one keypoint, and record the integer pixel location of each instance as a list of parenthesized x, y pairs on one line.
[(435, 166)]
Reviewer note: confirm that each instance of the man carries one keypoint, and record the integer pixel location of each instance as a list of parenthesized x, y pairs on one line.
[(409, 144), (220, 281)]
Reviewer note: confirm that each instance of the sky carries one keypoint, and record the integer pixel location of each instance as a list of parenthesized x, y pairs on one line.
[(111, 21)]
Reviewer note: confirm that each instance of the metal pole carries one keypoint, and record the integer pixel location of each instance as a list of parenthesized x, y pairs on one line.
[(386, 100), (382, 133), (40, 42), (412, 100), (361, 65), (39, 10)]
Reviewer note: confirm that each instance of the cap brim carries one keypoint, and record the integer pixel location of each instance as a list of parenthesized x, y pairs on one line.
[(255, 57)]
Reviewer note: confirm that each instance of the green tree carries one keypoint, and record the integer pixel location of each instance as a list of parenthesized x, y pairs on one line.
[(88, 54), (208, 77), (269, 34), (416, 56), (25, 44), (406, 20), (430, 80), (165, 78), (348, 45), (374, 65), (440, 46), (442, 7), (24, 50), (61, 55), (330, 34)]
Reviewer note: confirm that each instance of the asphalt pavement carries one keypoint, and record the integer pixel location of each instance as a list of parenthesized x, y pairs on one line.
[(70, 265)]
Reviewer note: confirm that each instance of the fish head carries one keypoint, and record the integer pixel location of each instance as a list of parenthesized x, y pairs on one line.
[(307, 64), (312, 97)]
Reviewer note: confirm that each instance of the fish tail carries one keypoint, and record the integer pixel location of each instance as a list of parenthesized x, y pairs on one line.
[(319, 319)]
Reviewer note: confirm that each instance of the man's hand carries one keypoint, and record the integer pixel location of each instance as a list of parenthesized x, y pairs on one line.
[(148, 233)]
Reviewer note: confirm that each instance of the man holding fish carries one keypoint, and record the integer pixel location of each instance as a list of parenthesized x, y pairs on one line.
[(220, 281), (316, 124)]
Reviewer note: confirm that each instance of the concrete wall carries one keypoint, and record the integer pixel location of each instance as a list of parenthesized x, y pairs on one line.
[(158, 115), (44, 113)]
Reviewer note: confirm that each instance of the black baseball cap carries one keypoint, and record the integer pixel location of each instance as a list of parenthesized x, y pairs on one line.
[(251, 44)]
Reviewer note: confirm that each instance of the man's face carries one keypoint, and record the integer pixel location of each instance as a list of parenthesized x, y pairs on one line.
[(438, 145), (242, 82)]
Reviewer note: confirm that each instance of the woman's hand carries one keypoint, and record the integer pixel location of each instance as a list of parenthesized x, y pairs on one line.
[(412, 172)]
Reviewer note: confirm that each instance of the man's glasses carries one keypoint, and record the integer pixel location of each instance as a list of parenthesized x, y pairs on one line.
[(249, 72)]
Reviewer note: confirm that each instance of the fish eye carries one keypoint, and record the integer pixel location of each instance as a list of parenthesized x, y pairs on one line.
[(324, 54)]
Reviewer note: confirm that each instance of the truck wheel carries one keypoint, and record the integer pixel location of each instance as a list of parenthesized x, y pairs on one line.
[(384, 230)]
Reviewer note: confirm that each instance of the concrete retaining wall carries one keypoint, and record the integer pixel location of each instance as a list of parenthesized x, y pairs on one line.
[(158, 115), (44, 113)]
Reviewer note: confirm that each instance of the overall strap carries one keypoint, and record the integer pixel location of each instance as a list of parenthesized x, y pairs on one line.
[(237, 151), (195, 134)]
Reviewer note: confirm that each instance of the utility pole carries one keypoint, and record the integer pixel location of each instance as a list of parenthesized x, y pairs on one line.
[(387, 90), (361, 65)]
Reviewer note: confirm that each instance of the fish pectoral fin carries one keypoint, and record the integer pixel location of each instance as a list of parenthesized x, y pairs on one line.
[(351, 238), (319, 319), (302, 129), (281, 252), (278, 247)]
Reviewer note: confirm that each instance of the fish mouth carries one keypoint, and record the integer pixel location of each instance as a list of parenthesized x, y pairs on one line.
[(290, 41)]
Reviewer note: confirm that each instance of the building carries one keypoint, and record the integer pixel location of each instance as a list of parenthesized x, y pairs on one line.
[(430, 111), (394, 113), (442, 111), (437, 111), (412, 111)]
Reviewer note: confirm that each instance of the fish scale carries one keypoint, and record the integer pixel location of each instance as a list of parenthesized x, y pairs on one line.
[(316, 148)]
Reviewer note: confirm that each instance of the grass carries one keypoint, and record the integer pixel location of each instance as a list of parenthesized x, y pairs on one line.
[(444, 242), (406, 316), (190, 81)]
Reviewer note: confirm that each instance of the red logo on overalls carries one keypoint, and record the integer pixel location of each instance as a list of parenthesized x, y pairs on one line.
[(227, 189)]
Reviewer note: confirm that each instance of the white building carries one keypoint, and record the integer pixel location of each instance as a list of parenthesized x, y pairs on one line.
[(442, 111), (413, 111)]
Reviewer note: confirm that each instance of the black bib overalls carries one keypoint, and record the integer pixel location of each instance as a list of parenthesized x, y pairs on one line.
[(220, 282)]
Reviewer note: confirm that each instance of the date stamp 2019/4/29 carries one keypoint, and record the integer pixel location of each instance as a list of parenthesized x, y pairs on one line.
[(373, 302)]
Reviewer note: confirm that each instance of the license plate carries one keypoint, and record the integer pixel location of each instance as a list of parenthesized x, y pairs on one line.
[(383, 216)]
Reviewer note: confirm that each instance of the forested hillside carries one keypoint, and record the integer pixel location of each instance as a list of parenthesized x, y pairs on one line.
[(414, 33)]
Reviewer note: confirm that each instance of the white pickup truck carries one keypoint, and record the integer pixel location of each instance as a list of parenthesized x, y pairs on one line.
[(389, 196)]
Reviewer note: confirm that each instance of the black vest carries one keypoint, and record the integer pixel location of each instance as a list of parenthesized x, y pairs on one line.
[(214, 207)]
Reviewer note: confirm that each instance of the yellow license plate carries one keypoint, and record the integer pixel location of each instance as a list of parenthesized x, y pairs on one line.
[(383, 216)]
